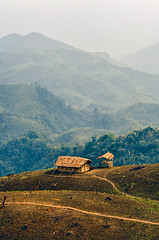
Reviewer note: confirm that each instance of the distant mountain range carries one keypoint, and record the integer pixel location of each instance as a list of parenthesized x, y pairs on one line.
[(80, 78), (146, 60), (90, 94)]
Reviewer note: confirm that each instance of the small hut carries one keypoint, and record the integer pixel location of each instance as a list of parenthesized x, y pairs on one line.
[(73, 164), (107, 160)]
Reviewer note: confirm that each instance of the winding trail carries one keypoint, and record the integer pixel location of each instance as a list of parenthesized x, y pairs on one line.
[(113, 185), (85, 212)]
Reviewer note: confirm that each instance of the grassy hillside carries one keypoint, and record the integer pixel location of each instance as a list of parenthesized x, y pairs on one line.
[(78, 206), (140, 181)]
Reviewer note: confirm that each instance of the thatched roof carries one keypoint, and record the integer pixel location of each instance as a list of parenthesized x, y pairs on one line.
[(108, 156), (67, 161)]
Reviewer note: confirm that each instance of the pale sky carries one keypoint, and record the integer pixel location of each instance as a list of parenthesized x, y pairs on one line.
[(113, 26)]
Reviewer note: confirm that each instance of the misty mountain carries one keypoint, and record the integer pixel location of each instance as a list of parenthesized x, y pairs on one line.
[(146, 60), (15, 41), (79, 77)]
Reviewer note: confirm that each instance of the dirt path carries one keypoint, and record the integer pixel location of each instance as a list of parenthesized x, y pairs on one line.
[(113, 185), (85, 212)]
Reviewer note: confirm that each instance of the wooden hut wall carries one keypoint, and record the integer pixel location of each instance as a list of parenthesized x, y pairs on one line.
[(110, 164), (67, 169), (85, 167)]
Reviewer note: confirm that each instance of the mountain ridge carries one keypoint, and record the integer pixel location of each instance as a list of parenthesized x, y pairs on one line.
[(146, 59), (32, 40)]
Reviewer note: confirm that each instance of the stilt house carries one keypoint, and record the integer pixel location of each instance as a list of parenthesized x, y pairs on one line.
[(73, 164), (107, 160)]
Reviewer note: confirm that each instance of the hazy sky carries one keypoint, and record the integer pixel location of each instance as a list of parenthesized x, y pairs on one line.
[(114, 26)]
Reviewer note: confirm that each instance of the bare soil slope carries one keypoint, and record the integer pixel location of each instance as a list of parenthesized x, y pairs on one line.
[(92, 209)]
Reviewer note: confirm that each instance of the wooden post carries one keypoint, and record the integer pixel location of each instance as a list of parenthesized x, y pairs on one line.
[(53, 171), (4, 201), (106, 223), (62, 172), (71, 171)]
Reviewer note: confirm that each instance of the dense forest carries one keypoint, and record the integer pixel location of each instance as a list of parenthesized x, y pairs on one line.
[(33, 151)]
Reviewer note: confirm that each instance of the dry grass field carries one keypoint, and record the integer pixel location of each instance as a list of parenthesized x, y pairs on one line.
[(81, 206)]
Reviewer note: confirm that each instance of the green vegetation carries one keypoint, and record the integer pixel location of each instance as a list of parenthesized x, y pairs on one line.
[(26, 153), (33, 151), (143, 113), (138, 147), (25, 108)]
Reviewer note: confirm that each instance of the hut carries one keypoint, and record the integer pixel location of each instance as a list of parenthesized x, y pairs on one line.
[(73, 164), (107, 160)]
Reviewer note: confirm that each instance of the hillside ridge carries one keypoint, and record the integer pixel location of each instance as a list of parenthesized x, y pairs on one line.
[(36, 40), (145, 59)]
